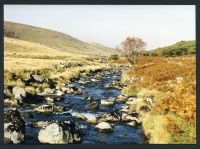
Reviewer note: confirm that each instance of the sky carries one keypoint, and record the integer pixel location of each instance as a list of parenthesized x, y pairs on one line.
[(157, 25)]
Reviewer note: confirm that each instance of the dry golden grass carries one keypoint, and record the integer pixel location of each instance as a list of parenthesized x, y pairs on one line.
[(28, 55), (22, 57)]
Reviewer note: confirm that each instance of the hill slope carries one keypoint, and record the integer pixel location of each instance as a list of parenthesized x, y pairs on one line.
[(53, 39), (177, 49)]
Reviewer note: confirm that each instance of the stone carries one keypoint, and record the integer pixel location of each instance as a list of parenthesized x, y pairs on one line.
[(71, 89), (14, 127), (89, 98), (110, 117), (92, 105), (59, 109), (27, 115), (107, 101), (34, 78), (38, 78), (8, 141), (89, 117), (179, 79), (44, 109), (121, 98), (8, 91), (49, 91), (125, 109), (59, 93), (114, 84), (104, 127), (94, 80), (131, 117), (40, 124), (19, 93), (132, 123), (49, 99), (133, 100), (78, 115), (11, 102), (84, 82), (144, 109), (60, 133), (64, 89), (38, 90), (149, 100)]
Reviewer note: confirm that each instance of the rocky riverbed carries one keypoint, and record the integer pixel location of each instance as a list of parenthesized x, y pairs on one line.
[(90, 109)]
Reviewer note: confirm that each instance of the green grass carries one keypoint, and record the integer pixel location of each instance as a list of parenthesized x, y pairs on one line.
[(141, 92), (54, 39), (177, 49), (168, 129)]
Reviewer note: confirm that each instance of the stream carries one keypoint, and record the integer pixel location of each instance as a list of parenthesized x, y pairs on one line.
[(122, 133)]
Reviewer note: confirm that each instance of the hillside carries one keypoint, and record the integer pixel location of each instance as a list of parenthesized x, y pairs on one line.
[(177, 49), (54, 39)]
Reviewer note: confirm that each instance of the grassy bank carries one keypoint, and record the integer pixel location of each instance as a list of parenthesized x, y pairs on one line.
[(24, 57), (171, 82)]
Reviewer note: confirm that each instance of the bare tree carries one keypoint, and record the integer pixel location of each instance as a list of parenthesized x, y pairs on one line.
[(132, 47)]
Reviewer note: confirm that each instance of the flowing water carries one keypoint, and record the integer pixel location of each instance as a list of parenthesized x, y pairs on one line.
[(121, 134)]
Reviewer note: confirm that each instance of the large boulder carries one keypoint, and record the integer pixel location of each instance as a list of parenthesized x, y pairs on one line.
[(14, 127), (104, 127), (19, 93), (60, 133)]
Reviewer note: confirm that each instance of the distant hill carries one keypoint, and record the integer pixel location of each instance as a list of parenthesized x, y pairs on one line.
[(177, 49), (54, 39)]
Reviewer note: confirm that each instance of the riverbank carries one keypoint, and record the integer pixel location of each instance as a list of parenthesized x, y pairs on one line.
[(171, 85), (96, 108)]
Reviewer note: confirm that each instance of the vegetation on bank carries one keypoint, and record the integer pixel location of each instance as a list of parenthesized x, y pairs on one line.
[(23, 57), (172, 84), (178, 49)]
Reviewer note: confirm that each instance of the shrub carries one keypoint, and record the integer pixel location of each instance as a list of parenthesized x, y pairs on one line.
[(114, 57)]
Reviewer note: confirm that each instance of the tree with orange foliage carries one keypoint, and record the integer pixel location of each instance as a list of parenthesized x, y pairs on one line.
[(131, 48)]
